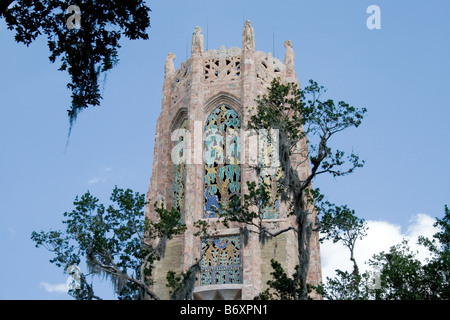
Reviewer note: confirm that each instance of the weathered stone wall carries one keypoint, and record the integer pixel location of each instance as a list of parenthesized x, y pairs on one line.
[(275, 248), (172, 261)]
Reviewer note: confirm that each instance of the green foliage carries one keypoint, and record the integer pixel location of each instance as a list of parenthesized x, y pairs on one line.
[(177, 282), (404, 277), (86, 53), (340, 224), (168, 224), (282, 287), (115, 241), (305, 124), (399, 274), (394, 275), (348, 286), (250, 211), (438, 268), (301, 114), (182, 285)]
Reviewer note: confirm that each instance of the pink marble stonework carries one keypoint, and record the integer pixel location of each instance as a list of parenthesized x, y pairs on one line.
[(234, 77)]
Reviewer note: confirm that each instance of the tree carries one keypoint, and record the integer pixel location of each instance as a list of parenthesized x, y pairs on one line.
[(282, 287), (115, 241), (340, 224), (306, 125), (400, 275), (438, 268), (86, 53), (404, 277)]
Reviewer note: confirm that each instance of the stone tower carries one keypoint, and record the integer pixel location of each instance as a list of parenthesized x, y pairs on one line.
[(214, 92)]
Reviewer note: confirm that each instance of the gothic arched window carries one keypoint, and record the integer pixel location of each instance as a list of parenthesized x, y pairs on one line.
[(222, 175), (270, 170), (179, 168)]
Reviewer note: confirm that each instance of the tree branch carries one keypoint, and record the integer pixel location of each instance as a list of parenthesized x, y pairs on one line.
[(114, 270), (279, 231), (4, 4)]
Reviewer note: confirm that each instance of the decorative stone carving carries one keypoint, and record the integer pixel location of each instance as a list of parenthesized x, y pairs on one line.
[(197, 42), (222, 69), (181, 82), (223, 64), (169, 67), (248, 37), (222, 52), (289, 56), (268, 68), (221, 263)]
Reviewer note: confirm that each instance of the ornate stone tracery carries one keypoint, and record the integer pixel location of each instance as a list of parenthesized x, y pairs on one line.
[(268, 68), (221, 263), (223, 64)]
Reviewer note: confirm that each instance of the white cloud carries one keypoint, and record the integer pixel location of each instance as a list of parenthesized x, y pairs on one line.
[(58, 288), (101, 176), (105, 169), (94, 180), (381, 235)]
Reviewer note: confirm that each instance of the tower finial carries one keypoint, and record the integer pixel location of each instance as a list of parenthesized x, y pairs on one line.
[(197, 42), (248, 37), (169, 67), (289, 56)]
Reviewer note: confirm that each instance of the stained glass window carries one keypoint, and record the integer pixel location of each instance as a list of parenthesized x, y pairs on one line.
[(179, 174), (222, 175), (270, 170), (221, 260)]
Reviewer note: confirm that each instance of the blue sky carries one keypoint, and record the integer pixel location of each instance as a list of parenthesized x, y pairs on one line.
[(400, 73)]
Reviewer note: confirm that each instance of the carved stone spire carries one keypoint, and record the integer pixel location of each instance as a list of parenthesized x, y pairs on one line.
[(248, 37), (197, 42), (289, 56), (169, 67)]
